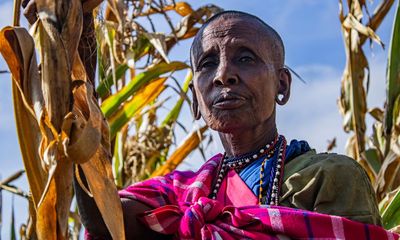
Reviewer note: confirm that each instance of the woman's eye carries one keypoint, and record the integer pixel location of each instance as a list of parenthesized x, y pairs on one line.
[(246, 59), (207, 64)]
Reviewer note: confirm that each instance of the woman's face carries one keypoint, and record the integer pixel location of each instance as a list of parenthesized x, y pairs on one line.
[(236, 74)]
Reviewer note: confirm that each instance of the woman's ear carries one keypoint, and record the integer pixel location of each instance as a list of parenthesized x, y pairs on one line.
[(195, 104), (285, 81)]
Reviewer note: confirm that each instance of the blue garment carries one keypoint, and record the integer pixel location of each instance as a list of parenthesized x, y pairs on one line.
[(251, 173)]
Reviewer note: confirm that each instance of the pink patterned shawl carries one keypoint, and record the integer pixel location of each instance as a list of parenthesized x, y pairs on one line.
[(181, 208)]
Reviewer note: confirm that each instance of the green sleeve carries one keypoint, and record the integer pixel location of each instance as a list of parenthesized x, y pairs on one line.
[(331, 184)]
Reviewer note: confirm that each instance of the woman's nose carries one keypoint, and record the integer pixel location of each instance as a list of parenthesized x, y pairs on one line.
[(225, 75)]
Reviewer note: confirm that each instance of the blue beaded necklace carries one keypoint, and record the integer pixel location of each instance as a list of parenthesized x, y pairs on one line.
[(269, 188)]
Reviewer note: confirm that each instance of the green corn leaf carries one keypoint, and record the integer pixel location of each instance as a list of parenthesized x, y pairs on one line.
[(393, 74), (174, 113), (118, 161), (396, 111), (111, 105), (391, 214), (372, 157), (105, 85), (143, 46)]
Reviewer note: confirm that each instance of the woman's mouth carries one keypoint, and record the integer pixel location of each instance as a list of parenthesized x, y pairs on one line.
[(226, 102)]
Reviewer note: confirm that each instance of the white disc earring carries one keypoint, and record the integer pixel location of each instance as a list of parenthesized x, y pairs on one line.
[(279, 98)]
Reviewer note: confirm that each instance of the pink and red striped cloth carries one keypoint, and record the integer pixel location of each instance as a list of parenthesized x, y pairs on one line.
[(181, 208)]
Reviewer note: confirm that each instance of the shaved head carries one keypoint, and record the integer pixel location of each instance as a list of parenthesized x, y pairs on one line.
[(270, 34)]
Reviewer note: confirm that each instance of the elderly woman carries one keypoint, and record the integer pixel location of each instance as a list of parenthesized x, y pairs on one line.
[(255, 188), (239, 77)]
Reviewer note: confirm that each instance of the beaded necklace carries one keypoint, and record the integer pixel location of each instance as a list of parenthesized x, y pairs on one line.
[(238, 163), (270, 195)]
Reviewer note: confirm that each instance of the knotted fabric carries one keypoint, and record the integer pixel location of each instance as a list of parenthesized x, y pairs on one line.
[(182, 208)]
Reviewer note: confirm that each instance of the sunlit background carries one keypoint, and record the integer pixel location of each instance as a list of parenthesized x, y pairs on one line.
[(314, 49)]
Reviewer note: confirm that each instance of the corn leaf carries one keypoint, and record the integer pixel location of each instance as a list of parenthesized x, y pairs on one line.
[(393, 74), (352, 103), (391, 214), (44, 120), (111, 105), (118, 161), (104, 87), (59, 29), (98, 172), (351, 22), (377, 114), (173, 115), (158, 41), (17, 48), (373, 159), (90, 146), (388, 175), (130, 108), (182, 8)]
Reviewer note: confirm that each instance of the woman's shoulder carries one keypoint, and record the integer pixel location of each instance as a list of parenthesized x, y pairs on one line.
[(329, 183), (327, 162)]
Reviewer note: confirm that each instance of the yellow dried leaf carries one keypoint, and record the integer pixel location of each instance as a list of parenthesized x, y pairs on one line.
[(388, 178), (146, 95), (350, 22), (17, 48), (87, 122), (46, 220), (183, 8), (98, 172)]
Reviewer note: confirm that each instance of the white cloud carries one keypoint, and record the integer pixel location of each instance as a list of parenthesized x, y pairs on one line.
[(312, 112)]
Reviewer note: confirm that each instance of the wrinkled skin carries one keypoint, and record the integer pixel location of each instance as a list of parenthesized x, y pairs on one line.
[(237, 78)]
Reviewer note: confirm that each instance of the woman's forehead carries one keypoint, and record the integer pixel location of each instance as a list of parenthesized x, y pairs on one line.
[(231, 33), (243, 27), (256, 35)]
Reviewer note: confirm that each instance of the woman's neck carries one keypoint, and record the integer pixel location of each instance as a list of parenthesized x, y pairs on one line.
[(248, 140)]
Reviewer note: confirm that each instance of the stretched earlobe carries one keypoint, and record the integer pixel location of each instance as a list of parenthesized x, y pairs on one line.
[(285, 81), (195, 105), (195, 110)]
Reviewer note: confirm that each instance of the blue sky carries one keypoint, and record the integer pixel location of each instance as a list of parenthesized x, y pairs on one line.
[(314, 49)]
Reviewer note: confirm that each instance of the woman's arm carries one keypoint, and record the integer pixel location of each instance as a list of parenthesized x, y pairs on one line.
[(88, 211), (93, 221)]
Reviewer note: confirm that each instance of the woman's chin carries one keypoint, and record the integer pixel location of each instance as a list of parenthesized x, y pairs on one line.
[(229, 127), (230, 121)]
